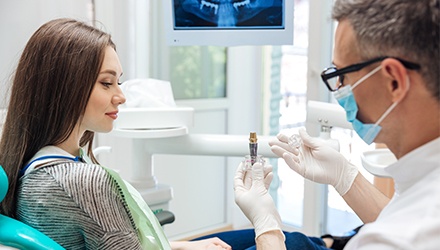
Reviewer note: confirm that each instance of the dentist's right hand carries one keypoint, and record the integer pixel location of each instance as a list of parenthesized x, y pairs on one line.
[(317, 161), (251, 195)]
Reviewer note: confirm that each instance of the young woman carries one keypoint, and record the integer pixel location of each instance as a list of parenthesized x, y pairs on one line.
[(65, 88)]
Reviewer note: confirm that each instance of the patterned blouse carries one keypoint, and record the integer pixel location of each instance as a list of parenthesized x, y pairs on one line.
[(78, 205)]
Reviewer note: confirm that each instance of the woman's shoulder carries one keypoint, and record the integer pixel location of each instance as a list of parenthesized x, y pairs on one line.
[(77, 183), (70, 169), (74, 178), (78, 197)]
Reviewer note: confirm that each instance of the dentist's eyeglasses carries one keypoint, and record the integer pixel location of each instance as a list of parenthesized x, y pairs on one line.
[(334, 78)]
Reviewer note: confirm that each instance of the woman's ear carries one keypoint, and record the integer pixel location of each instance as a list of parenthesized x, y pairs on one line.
[(397, 77)]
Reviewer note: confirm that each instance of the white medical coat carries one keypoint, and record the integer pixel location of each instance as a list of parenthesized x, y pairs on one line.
[(412, 218)]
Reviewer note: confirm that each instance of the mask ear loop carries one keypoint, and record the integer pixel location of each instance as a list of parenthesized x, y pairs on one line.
[(366, 76), (384, 115), (393, 105)]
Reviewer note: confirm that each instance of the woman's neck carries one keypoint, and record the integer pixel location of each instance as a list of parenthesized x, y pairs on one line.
[(71, 145)]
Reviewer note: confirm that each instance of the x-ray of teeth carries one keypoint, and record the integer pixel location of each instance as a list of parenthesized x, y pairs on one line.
[(228, 13)]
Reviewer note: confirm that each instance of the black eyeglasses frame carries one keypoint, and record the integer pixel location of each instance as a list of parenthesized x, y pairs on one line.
[(356, 67)]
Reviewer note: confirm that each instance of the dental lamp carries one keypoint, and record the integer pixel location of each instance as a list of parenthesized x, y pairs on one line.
[(327, 115)]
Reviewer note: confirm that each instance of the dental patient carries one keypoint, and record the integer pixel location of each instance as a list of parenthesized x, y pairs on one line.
[(66, 88)]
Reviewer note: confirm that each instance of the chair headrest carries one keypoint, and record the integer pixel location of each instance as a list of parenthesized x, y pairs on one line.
[(4, 183)]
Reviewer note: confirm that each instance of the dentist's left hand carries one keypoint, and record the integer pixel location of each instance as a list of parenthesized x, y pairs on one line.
[(251, 195), (317, 161)]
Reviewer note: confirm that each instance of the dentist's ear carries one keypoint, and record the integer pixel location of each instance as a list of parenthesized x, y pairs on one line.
[(398, 77)]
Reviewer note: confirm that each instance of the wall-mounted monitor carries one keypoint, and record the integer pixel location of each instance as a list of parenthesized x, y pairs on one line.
[(228, 22)]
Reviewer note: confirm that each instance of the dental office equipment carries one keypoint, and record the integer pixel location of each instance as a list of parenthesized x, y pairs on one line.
[(224, 23), (163, 130), (327, 116)]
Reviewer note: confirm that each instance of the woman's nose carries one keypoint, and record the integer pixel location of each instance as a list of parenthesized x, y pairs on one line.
[(119, 98)]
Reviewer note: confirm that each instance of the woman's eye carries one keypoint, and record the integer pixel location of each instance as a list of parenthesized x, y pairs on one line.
[(106, 84)]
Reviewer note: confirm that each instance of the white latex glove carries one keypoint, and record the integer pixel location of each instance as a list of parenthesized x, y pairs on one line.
[(316, 161), (251, 195)]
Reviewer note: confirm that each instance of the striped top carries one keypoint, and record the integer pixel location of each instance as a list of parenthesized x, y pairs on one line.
[(78, 205)]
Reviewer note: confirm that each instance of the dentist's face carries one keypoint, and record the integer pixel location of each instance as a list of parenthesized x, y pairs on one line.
[(371, 100), (106, 96)]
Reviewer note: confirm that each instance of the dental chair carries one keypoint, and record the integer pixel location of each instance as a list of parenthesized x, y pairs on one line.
[(14, 233)]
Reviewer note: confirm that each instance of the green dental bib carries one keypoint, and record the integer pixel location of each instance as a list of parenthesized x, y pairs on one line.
[(150, 232)]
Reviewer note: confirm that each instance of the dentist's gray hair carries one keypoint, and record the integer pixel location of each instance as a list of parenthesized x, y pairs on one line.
[(402, 28)]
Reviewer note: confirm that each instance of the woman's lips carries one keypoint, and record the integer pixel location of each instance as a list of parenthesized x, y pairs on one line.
[(112, 115)]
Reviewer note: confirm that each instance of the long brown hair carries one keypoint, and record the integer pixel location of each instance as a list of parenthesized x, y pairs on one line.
[(51, 87)]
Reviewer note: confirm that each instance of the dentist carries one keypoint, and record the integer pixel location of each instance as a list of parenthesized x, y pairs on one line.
[(386, 77)]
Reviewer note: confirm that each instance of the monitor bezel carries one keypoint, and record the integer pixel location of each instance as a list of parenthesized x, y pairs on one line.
[(228, 37)]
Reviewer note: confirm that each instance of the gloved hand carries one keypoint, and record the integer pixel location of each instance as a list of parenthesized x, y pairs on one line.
[(316, 161), (251, 195)]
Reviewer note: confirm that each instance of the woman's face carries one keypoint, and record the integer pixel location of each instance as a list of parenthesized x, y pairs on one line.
[(106, 96)]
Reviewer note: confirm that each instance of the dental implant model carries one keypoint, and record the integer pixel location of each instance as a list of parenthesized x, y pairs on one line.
[(295, 141), (253, 156), (253, 146)]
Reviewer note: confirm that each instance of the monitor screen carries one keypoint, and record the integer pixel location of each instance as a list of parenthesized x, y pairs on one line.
[(229, 22)]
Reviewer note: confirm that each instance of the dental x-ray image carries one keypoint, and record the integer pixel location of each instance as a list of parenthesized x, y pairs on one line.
[(228, 14)]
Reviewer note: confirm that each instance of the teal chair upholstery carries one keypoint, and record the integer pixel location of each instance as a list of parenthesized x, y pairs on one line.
[(14, 233)]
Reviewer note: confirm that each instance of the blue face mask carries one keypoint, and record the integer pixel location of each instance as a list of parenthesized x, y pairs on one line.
[(345, 97)]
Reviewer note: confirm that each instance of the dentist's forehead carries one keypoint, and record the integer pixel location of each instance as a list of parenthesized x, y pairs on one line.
[(345, 48)]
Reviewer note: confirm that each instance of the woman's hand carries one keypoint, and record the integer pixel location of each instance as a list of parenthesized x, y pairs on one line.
[(207, 244)]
